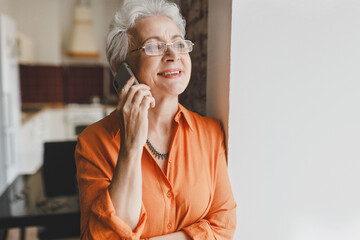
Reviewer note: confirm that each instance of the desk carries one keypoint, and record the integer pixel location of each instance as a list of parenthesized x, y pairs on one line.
[(24, 204)]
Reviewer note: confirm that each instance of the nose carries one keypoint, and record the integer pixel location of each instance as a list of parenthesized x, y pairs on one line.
[(170, 55)]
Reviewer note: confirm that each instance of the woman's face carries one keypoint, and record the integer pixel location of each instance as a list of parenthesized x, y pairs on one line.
[(150, 69)]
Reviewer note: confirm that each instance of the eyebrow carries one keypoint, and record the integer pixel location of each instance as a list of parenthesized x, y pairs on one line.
[(158, 38)]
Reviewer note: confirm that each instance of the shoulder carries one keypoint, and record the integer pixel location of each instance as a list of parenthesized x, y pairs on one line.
[(97, 144), (101, 130), (203, 123), (207, 138), (207, 130)]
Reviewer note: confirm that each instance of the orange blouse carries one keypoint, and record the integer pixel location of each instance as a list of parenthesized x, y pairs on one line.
[(195, 196)]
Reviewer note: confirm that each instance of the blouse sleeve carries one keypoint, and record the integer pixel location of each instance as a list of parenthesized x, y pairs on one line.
[(220, 222), (98, 216)]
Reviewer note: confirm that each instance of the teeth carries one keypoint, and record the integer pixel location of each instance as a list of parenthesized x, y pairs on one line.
[(169, 73)]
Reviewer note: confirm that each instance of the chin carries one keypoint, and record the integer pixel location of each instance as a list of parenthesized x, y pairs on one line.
[(177, 89)]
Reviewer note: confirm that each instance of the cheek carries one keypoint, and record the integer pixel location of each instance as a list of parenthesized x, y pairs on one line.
[(187, 65), (135, 65), (187, 62), (148, 68), (140, 68), (147, 71)]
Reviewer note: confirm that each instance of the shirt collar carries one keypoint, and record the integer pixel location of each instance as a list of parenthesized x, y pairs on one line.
[(186, 115), (182, 113)]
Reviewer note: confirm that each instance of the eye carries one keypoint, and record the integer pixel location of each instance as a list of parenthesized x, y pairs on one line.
[(180, 44), (151, 46), (159, 45), (154, 46)]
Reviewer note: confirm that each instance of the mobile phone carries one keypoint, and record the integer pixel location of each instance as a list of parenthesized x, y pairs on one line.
[(123, 74)]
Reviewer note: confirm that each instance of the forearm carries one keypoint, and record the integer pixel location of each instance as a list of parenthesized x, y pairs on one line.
[(181, 235), (125, 188)]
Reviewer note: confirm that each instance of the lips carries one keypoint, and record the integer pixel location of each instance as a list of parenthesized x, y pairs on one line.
[(170, 73)]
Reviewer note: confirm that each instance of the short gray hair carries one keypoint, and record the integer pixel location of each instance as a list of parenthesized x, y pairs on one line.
[(117, 40)]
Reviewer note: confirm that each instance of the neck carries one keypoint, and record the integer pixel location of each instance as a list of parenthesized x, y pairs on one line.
[(162, 115)]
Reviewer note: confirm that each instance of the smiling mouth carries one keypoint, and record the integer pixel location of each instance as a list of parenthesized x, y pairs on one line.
[(169, 73)]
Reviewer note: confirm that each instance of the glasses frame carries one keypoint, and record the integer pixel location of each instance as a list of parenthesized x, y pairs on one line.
[(166, 45)]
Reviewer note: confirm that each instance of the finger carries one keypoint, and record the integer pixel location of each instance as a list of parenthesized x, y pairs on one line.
[(134, 89), (147, 102), (139, 96), (123, 93), (152, 104), (126, 87), (134, 98), (127, 95)]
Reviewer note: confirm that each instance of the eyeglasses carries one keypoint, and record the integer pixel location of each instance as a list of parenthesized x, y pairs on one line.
[(159, 48)]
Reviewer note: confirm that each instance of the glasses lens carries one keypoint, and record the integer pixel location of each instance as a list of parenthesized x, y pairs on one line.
[(182, 46), (156, 48), (189, 45)]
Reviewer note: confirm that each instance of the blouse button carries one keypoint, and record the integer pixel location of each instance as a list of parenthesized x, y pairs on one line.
[(169, 194), (169, 225)]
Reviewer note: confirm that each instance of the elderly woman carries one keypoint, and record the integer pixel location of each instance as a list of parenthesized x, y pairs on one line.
[(153, 169)]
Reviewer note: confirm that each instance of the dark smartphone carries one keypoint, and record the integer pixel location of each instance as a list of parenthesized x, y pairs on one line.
[(122, 76)]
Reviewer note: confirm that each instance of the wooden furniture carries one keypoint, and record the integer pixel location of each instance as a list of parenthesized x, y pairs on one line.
[(24, 204)]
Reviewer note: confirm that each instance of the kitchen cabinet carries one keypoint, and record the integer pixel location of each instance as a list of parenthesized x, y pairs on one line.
[(57, 130), (9, 102), (55, 124), (33, 133), (78, 116)]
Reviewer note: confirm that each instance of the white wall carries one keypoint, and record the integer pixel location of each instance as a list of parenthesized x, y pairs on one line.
[(294, 114), (48, 24), (4, 6), (102, 11), (39, 19)]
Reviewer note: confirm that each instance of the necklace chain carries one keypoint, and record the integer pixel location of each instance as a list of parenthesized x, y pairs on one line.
[(156, 154)]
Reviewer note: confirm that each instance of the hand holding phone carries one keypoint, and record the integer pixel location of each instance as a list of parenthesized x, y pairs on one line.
[(123, 74), (132, 108)]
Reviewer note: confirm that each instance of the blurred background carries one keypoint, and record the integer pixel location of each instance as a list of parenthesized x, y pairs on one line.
[(282, 76), (57, 76), (55, 79)]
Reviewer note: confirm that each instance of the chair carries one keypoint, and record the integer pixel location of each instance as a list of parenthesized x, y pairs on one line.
[(59, 169), (59, 180), (3, 234)]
